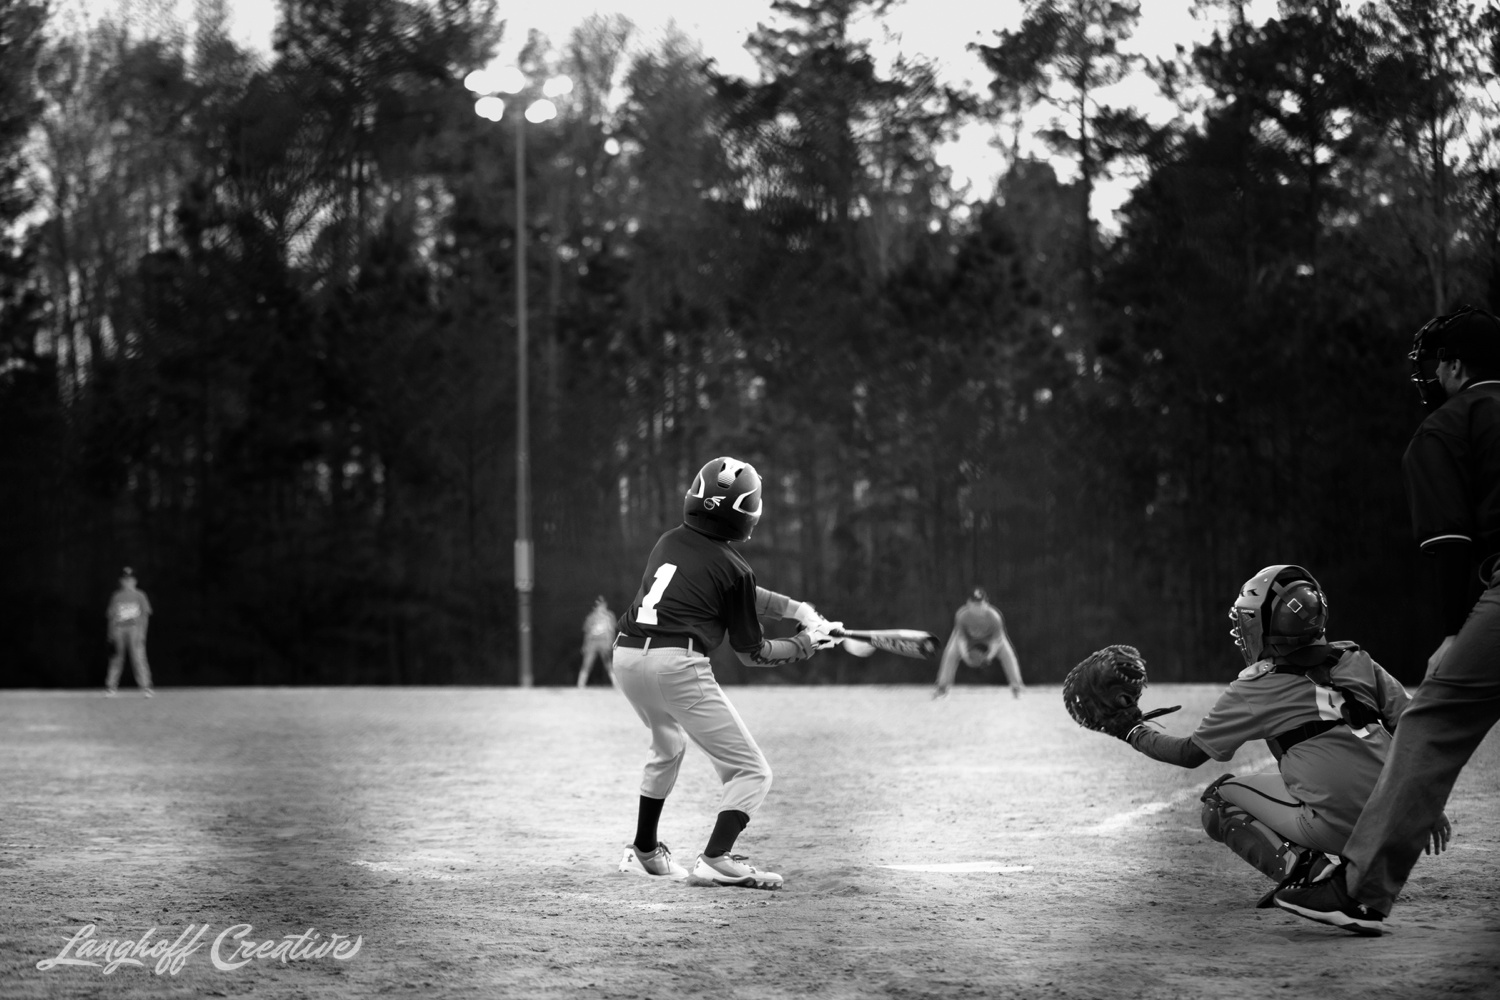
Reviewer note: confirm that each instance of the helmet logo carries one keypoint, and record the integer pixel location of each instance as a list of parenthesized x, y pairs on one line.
[(732, 510)]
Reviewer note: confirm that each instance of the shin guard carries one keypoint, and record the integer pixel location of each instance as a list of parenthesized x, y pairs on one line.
[(1266, 850)]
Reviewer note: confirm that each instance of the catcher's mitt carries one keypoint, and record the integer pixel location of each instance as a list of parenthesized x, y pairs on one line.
[(1103, 692)]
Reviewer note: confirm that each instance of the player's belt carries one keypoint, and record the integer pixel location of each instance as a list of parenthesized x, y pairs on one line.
[(647, 641)]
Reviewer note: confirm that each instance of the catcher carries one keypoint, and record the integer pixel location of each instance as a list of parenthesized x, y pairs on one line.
[(1325, 709)]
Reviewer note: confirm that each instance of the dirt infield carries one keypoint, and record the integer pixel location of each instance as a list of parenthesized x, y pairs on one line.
[(467, 838)]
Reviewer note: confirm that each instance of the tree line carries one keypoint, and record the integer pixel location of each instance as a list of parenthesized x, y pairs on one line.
[(257, 329)]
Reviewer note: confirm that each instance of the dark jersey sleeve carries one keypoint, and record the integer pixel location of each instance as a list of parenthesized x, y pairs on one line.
[(741, 621), (1179, 750), (1452, 474), (1437, 485)]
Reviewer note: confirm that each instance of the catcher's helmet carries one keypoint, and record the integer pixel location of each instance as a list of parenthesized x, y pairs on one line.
[(1466, 334), (1279, 609), (724, 500)]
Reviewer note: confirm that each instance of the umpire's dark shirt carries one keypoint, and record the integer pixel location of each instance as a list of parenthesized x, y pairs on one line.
[(1452, 470)]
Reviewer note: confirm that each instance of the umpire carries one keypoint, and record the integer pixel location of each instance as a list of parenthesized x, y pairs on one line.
[(1452, 472)]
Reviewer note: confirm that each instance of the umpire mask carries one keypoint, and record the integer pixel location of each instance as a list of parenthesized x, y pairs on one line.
[(1468, 334)]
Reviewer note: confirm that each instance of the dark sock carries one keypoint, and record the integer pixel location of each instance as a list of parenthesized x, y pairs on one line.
[(727, 828), (645, 824)]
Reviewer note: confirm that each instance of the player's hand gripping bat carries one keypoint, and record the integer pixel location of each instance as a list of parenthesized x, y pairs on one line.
[(902, 641)]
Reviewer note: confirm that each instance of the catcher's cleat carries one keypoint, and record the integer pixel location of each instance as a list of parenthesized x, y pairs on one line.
[(731, 870), (658, 862), (1309, 866), (1328, 902)]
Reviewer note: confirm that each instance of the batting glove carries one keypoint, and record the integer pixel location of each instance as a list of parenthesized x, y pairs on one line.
[(818, 636)]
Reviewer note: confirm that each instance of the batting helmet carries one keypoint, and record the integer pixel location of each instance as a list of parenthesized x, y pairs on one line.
[(1468, 334), (724, 500), (1279, 609)]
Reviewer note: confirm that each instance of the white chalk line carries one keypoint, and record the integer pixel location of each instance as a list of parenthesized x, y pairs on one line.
[(1119, 821), (988, 867)]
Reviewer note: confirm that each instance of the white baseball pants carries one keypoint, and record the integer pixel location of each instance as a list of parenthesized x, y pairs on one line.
[(1265, 796), (674, 691)]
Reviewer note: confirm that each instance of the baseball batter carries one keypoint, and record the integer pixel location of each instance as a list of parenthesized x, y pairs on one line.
[(696, 591), (598, 641), (1325, 710), (978, 638), (127, 618)]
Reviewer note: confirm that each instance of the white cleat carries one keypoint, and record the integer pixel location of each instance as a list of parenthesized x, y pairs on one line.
[(731, 870), (658, 862)]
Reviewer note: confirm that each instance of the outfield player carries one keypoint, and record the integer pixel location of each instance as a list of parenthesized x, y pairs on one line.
[(1452, 472), (127, 618), (978, 638), (1326, 711), (598, 641), (696, 590)]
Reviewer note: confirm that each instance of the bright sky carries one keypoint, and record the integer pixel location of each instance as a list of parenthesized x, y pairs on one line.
[(940, 30), (937, 29)]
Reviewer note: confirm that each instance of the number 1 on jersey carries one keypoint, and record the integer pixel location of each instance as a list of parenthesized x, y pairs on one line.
[(647, 615)]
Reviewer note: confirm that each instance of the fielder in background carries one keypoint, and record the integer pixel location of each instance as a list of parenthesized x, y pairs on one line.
[(978, 638), (127, 618), (696, 590), (598, 641), (1326, 711), (1452, 472)]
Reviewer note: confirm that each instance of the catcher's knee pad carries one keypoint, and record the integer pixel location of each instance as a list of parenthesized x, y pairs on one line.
[(1268, 851), (1216, 811)]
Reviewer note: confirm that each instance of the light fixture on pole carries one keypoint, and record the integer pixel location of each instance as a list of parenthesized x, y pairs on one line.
[(511, 81)]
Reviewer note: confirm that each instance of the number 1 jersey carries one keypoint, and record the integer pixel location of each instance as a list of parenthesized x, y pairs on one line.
[(699, 586)]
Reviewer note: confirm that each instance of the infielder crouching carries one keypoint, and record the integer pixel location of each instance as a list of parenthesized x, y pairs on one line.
[(978, 638), (696, 590), (1326, 711)]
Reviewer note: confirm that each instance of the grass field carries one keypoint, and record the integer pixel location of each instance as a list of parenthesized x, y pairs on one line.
[(467, 838)]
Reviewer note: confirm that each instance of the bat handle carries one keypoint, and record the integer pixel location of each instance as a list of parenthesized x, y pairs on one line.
[(1159, 711)]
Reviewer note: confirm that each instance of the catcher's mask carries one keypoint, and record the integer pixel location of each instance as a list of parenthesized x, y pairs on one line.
[(1468, 334), (724, 500), (1279, 609)]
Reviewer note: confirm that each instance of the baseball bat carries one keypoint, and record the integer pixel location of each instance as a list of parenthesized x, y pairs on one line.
[(902, 641)]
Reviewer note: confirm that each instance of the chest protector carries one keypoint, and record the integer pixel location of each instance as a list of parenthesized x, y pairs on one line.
[(1355, 709)]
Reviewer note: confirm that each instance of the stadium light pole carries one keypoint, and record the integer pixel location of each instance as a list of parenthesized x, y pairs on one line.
[(492, 107)]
